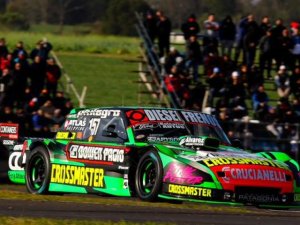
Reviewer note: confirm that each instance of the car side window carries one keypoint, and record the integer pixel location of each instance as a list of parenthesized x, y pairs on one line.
[(111, 130)]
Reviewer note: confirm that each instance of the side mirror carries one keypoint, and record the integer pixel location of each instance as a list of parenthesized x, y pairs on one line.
[(236, 143)]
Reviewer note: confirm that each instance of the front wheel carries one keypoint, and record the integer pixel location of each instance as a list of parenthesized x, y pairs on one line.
[(148, 178), (38, 171)]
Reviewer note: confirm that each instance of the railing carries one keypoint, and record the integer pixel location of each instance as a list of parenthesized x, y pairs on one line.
[(70, 84), (151, 57), (259, 136)]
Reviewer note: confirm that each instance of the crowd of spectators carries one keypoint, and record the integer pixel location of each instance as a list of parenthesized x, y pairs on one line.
[(29, 92), (237, 60)]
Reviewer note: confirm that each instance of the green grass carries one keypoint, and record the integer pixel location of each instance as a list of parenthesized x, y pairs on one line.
[(73, 42), (46, 221), (110, 79)]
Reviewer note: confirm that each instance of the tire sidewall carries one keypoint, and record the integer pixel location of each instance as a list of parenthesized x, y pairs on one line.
[(42, 153), (153, 195)]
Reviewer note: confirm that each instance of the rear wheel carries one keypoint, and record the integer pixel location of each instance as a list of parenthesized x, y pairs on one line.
[(38, 171), (148, 179)]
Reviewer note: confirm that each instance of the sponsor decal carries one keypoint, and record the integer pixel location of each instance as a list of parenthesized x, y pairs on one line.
[(189, 191), (76, 175), (253, 174), (162, 115), (75, 125), (162, 139), (8, 142), (99, 112), (65, 135), (95, 153), (182, 174), (142, 116), (262, 198), (149, 126), (210, 162), (15, 160), (9, 130), (195, 117), (192, 141)]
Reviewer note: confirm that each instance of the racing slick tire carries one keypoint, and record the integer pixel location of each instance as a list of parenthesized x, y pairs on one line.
[(148, 177), (37, 171)]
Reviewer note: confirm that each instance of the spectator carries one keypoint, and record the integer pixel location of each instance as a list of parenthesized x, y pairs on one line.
[(7, 62), (211, 35), (7, 115), (40, 123), (251, 39), (260, 101), (227, 34), (276, 32), (266, 46), (59, 101), (170, 59), (196, 97), (240, 40), (227, 65), (216, 82), (48, 109), (285, 47), (235, 86), (238, 108), (19, 50), (3, 48), (282, 82), (150, 23), (190, 27), (174, 86), (20, 77), (296, 108), (265, 25), (42, 49), (295, 49), (254, 79), (6, 88), (194, 56), (53, 74), (285, 113), (37, 73), (295, 82), (163, 33)]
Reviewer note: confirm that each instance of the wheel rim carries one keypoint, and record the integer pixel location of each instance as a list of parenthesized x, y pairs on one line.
[(38, 172), (148, 175)]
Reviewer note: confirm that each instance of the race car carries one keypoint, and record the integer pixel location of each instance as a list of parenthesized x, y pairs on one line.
[(153, 153)]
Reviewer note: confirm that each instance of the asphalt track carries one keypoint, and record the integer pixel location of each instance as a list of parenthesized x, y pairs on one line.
[(115, 212)]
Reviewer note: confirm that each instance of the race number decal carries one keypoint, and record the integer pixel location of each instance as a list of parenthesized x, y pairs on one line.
[(94, 124)]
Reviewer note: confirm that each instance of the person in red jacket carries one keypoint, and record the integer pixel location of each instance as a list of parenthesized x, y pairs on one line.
[(53, 74)]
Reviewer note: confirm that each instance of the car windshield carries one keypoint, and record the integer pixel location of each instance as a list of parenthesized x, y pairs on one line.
[(166, 125), (167, 132)]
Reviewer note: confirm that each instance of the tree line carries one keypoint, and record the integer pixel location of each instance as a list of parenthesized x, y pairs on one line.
[(117, 16)]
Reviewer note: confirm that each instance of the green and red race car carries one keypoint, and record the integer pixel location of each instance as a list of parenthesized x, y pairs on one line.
[(153, 153)]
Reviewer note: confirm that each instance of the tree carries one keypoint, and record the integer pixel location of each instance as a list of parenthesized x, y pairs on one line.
[(120, 17)]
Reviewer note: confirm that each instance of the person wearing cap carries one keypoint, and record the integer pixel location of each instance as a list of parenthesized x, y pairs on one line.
[(282, 82), (235, 86), (216, 82)]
